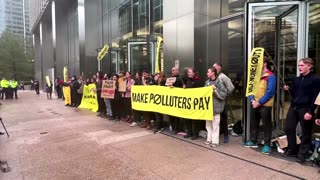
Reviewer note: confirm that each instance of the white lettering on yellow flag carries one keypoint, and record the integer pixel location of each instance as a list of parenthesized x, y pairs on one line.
[(255, 63)]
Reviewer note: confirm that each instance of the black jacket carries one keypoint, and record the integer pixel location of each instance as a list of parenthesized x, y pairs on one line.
[(194, 82), (179, 82), (75, 86), (304, 92)]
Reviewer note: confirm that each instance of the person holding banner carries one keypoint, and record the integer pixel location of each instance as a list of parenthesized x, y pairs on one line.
[(74, 92), (161, 81), (175, 81), (193, 126), (127, 97), (49, 90), (116, 101), (137, 114), (226, 82), (147, 116), (219, 95), (261, 108), (304, 92), (102, 105)]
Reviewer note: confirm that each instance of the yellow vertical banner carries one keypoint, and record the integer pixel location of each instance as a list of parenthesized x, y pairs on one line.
[(103, 52), (255, 64), (159, 41), (67, 95), (65, 74), (89, 98), (48, 81)]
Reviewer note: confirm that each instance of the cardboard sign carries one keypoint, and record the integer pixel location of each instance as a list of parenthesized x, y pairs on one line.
[(171, 81), (317, 102), (283, 141), (108, 89), (122, 86)]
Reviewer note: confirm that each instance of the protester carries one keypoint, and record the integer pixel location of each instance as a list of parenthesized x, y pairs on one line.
[(49, 90), (303, 93), (147, 116), (121, 80), (161, 81), (219, 95), (116, 101), (226, 82), (261, 108), (107, 100), (102, 106), (74, 92), (193, 126), (137, 114), (37, 86), (178, 83), (58, 85), (127, 97), (80, 90)]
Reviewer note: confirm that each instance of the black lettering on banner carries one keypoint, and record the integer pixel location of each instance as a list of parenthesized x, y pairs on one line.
[(195, 103), (184, 103), (189, 103), (201, 104), (207, 100), (151, 97), (134, 97)]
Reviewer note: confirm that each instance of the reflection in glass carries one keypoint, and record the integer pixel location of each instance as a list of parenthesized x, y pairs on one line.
[(314, 33)]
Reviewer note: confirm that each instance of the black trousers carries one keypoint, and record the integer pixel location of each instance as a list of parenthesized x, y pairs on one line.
[(9, 94), (4, 93), (175, 123), (59, 92), (15, 91), (193, 126), (37, 90), (293, 117), (224, 122), (115, 107), (136, 115), (159, 120), (128, 107), (102, 105), (264, 114)]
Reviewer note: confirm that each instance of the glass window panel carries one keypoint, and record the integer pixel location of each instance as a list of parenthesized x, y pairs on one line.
[(232, 6)]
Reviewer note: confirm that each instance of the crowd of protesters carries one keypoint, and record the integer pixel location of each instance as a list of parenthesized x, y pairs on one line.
[(303, 93)]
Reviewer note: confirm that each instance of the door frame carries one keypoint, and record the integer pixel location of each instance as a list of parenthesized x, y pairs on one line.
[(301, 45)]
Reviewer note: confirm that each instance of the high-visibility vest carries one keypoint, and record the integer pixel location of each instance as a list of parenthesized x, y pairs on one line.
[(14, 84), (4, 84)]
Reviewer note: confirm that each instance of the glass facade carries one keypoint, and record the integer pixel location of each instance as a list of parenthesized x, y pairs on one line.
[(195, 33)]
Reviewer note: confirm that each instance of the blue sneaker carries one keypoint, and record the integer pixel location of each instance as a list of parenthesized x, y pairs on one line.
[(250, 144), (266, 150)]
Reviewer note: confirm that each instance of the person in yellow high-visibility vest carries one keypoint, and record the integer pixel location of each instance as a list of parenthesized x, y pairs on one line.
[(4, 86), (14, 86)]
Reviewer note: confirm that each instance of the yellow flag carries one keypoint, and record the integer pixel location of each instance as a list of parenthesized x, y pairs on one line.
[(48, 81), (65, 74), (255, 64), (103, 52), (159, 41), (67, 95), (89, 98)]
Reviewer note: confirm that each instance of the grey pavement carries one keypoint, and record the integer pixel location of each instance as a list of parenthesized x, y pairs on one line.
[(51, 141)]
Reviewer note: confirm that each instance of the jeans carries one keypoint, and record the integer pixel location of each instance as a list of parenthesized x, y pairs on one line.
[(293, 117), (264, 114), (108, 107), (213, 129)]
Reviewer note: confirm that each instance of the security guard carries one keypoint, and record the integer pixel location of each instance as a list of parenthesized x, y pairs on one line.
[(10, 90), (4, 85), (14, 86)]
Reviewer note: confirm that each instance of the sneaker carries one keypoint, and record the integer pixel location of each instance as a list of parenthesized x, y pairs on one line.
[(213, 145), (133, 124), (250, 144), (207, 142), (266, 150), (226, 139)]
